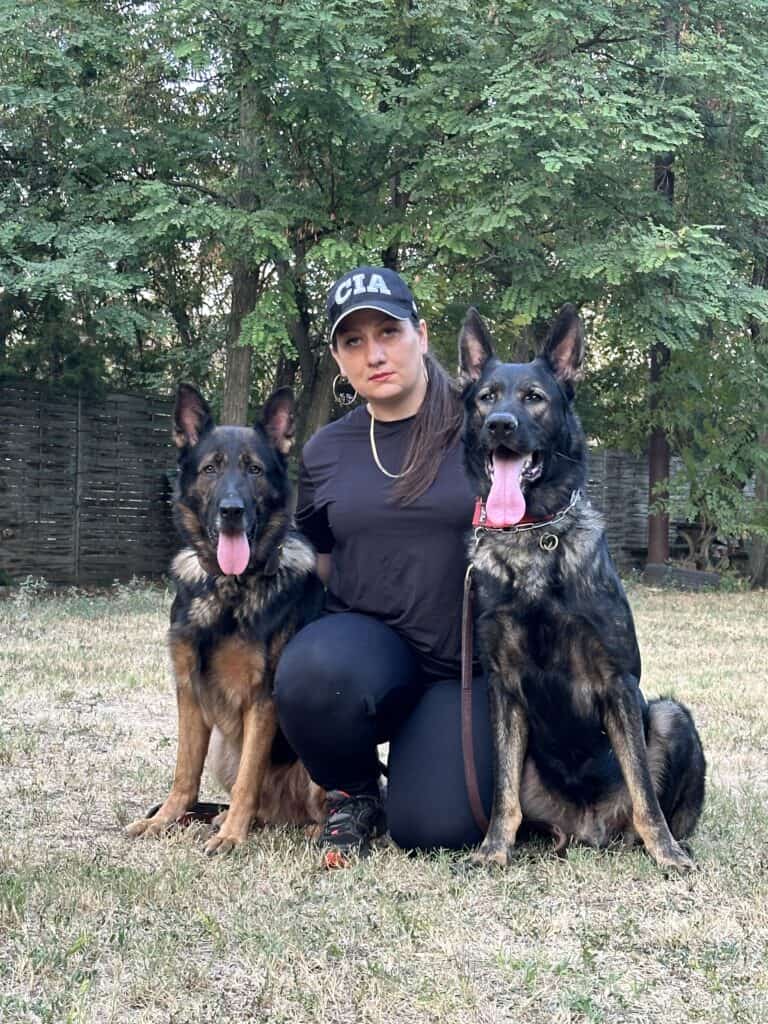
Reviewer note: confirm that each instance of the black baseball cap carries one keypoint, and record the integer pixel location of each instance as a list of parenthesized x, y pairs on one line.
[(370, 288)]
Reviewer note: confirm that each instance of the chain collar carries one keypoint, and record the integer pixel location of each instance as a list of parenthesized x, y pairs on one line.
[(548, 541)]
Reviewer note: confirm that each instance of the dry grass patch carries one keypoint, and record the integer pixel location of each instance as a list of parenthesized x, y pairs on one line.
[(97, 928)]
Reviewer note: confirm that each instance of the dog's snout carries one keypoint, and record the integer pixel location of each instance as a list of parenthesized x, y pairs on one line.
[(501, 424), (231, 509)]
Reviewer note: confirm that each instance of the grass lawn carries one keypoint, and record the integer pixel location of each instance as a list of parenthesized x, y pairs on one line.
[(95, 927)]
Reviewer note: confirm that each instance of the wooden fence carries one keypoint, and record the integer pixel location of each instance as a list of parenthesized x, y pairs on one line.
[(617, 484), (85, 488)]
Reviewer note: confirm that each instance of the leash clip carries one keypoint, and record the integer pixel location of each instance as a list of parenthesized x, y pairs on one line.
[(548, 541)]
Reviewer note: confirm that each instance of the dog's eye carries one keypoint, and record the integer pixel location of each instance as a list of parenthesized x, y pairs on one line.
[(255, 469), (210, 468), (487, 396), (533, 396)]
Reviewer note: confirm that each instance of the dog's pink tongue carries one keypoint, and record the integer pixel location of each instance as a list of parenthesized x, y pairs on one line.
[(233, 553), (505, 505)]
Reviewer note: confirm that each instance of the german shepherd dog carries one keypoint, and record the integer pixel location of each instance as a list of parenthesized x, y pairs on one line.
[(579, 753), (244, 586)]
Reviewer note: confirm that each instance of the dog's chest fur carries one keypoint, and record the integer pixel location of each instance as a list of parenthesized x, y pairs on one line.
[(235, 627), (514, 567), (245, 598)]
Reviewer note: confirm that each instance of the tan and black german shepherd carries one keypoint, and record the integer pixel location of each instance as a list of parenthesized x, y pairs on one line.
[(244, 585), (578, 750)]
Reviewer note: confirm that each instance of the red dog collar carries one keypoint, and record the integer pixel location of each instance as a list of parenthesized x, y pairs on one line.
[(480, 518)]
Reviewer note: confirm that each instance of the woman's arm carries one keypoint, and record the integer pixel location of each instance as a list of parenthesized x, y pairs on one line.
[(324, 568), (313, 523)]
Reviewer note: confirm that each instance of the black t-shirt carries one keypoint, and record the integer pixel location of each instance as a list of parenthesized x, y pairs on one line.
[(403, 564)]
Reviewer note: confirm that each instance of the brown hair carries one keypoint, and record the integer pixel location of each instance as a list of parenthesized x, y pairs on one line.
[(436, 428)]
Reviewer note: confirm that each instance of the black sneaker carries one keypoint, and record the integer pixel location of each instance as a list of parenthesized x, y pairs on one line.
[(352, 822)]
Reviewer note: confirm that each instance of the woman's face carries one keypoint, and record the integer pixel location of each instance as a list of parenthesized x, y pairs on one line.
[(381, 356)]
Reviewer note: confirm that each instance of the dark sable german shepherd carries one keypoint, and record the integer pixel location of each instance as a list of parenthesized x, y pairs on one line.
[(244, 585), (578, 751)]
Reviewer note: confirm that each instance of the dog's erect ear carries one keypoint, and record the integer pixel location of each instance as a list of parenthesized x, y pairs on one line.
[(279, 419), (191, 416), (564, 348), (475, 345)]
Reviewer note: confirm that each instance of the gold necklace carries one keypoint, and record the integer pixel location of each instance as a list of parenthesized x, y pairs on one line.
[(377, 460)]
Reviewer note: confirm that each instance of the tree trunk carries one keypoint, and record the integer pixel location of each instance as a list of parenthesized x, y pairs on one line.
[(316, 406), (245, 276), (659, 457), (315, 403), (315, 363), (659, 461), (390, 257), (237, 378), (6, 323), (285, 374)]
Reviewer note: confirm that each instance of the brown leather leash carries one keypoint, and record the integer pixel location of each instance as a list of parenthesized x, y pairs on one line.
[(467, 739)]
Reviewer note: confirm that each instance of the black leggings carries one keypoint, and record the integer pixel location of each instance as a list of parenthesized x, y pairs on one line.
[(347, 682)]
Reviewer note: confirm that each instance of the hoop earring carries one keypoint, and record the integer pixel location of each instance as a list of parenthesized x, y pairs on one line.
[(345, 397), (426, 371)]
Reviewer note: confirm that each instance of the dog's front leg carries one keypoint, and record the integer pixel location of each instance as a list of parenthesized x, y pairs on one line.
[(623, 721), (509, 723), (194, 735), (259, 729)]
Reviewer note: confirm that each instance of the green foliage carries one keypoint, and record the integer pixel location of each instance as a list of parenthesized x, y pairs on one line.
[(502, 153)]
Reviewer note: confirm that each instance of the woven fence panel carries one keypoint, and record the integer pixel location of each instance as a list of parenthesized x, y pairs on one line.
[(84, 486), (37, 483), (85, 492), (617, 484)]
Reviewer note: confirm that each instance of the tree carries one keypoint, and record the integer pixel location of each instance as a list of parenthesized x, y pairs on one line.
[(182, 184), (556, 162), (97, 265)]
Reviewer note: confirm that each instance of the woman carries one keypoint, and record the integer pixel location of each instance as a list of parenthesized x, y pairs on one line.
[(384, 499)]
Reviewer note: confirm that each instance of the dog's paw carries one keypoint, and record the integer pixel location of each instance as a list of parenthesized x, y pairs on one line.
[(495, 855), (223, 843), (154, 826), (673, 857)]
